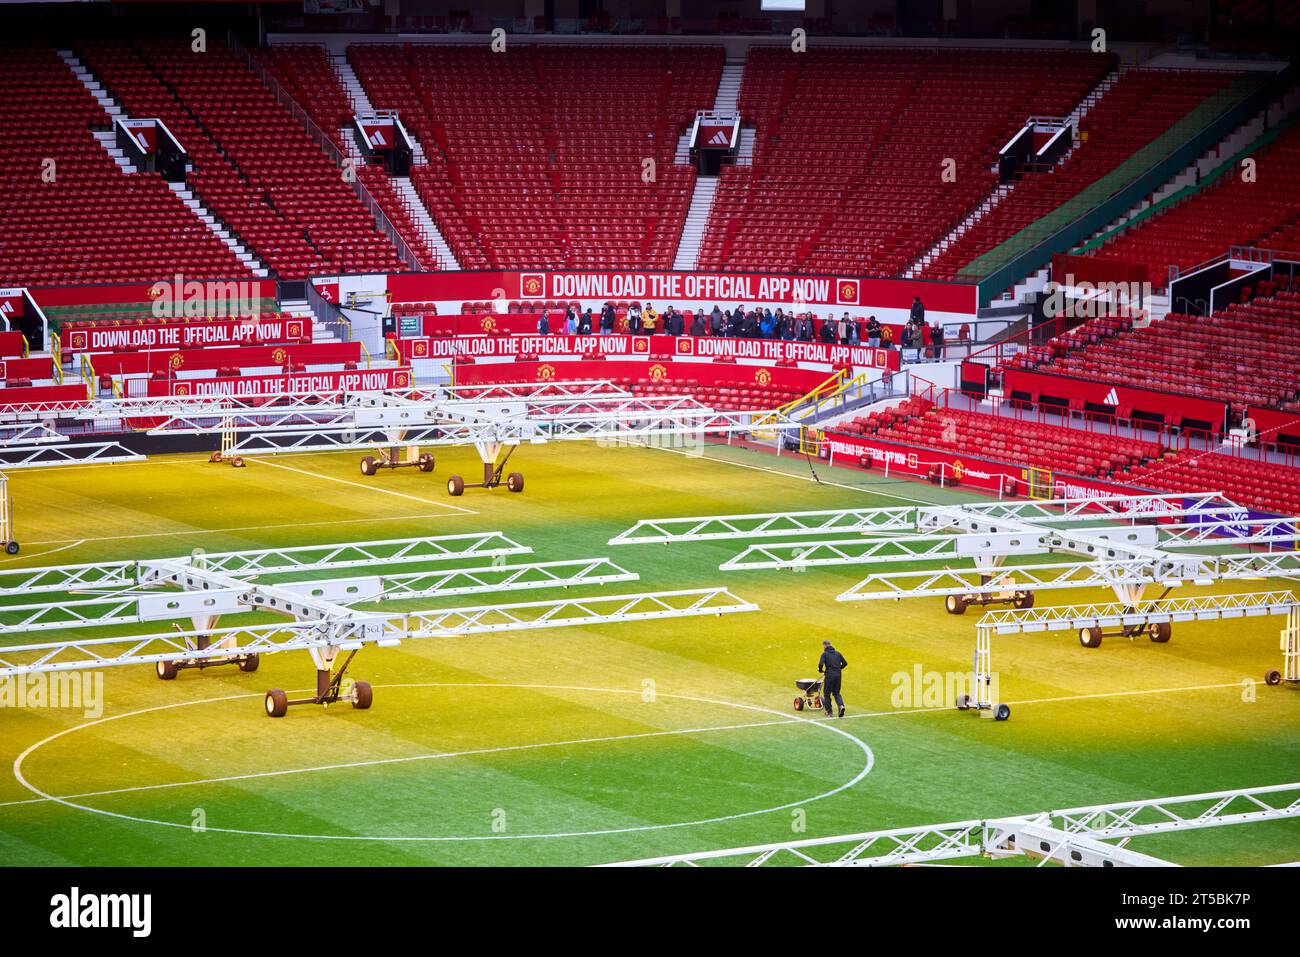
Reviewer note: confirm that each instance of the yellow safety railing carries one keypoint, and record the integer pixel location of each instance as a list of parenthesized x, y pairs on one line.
[(829, 388), (88, 372), (56, 355), (365, 352)]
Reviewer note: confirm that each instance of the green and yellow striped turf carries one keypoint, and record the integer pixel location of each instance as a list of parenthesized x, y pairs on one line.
[(587, 745)]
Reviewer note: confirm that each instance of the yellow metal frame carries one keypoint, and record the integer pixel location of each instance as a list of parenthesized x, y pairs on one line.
[(6, 512), (1040, 482), (765, 423)]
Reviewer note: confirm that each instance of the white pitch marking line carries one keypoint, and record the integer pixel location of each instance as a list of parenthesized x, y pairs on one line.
[(870, 763), (407, 759), (556, 744), (70, 544), (368, 488)]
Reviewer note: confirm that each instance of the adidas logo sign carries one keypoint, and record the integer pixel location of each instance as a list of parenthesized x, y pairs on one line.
[(1112, 397), (719, 138)]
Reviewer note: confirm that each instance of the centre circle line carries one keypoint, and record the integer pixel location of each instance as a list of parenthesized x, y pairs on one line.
[(783, 719)]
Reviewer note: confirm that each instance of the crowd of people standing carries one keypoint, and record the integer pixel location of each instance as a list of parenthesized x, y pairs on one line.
[(915, 337)]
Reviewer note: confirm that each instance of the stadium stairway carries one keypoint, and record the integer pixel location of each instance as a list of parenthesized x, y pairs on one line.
[(1002, 190), (697, 220), (1136, 125), (1207, 207), (108, 140)]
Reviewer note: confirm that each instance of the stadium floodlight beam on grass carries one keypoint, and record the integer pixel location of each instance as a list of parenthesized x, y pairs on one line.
[(1085, 828)]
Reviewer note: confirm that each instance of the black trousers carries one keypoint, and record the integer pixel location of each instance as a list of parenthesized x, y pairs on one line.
[(831, 687)]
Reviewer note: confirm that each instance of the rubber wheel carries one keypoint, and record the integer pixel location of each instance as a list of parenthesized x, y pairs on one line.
[(362, 695), (249, 664), (1090, 637), (1160, 632), (1025, 601), (11, 548), (817, 701), (237, 462), (368, 465), (1002, 712), (455, 485), (166, 670), (1272, 677), (214, 457), (956, 604), (798, 704), (426, 462), (277, 703), (515, 481), (963, 702)]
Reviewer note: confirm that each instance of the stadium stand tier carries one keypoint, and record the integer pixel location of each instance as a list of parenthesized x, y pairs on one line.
[(1247, 354), (1133, 113), (254, 164), (548, 157), (850, 148), (70, 213), (1264, 211), (919, 422)]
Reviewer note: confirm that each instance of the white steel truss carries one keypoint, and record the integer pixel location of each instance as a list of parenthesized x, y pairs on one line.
[(1078, 574), (1212, 809), (903, 845), (45, 454), (115, 408), (766, 525), (1153, 618), (1074, 617), (93, 576), (1070, 511), (384, 630), (1073, 837), (134, 604)]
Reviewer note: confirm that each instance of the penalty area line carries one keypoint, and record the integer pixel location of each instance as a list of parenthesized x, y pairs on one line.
[(368, 488)]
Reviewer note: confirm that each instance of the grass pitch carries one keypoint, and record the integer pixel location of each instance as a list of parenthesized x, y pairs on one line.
[(588, 745)]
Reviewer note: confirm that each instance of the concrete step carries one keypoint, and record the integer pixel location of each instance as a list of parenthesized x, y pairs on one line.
[(433, 235), (697, 221)]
